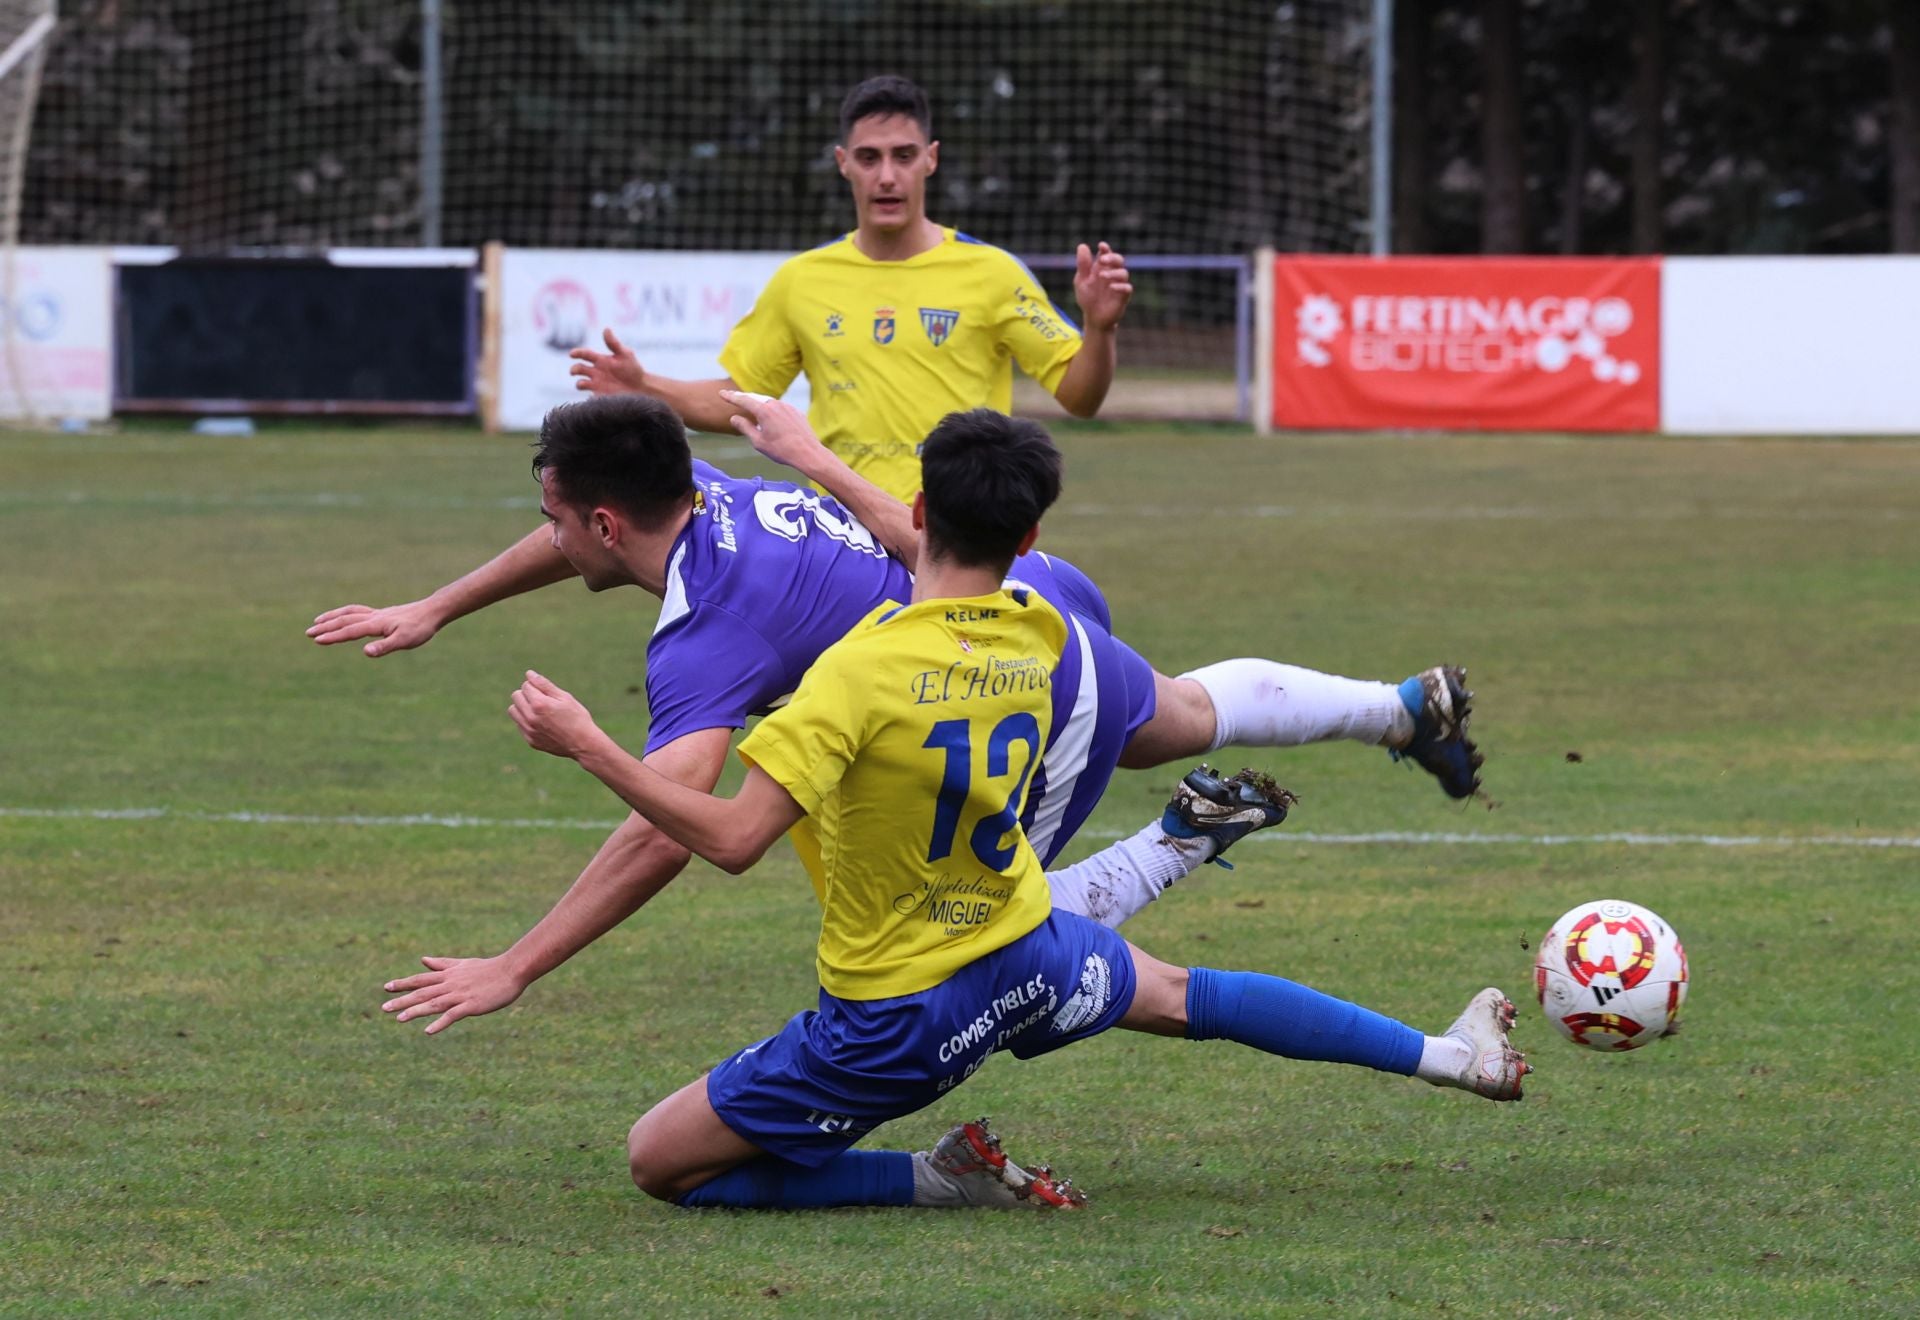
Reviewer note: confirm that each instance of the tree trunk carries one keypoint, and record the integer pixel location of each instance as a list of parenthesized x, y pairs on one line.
[(1503, 202), (1904, 140), (1412, 27), (1649, 105), (1579, 132)]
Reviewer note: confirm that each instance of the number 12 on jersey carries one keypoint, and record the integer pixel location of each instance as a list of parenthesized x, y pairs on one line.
[(955, 737)]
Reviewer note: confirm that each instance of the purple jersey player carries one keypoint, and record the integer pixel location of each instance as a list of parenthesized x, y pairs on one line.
[(756, 578), (765, 576)]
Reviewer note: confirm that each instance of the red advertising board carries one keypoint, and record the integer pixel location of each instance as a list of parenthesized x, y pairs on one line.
[(1467, 343)]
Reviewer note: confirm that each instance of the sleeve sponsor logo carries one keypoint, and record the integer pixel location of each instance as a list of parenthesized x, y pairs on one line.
[(1036, 311), (720, 509)]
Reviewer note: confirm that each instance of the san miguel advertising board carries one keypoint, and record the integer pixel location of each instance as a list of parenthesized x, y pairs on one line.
[(673, 309), (1467, 343)]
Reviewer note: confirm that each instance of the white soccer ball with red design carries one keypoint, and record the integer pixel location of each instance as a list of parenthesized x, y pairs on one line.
[(1611, 976)]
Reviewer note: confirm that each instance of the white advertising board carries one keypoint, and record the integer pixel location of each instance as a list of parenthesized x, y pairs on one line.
[(673, 309), (56, 333), (1790, 346)]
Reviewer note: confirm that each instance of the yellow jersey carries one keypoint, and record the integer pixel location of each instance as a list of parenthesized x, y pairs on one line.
[(910, 744), (891, 347)]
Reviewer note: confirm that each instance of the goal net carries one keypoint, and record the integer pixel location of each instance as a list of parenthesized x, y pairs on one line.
[(1171, 131)]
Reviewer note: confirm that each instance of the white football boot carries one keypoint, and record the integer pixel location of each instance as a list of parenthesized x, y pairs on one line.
[(1493, 1068)]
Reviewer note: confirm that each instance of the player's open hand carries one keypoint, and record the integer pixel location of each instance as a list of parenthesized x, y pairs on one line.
[(551, 719), (453, 988), (616, 371), (778, 430), (1102, 286), (392, 628)]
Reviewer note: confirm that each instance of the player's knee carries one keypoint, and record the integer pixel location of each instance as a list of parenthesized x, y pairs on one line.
[(652, 1168), (1199, 719), (1159, 998), (1172, 1000), (1184, 725)]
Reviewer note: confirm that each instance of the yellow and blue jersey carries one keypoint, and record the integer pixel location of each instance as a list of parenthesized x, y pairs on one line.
[(891, 347), (911, 744)]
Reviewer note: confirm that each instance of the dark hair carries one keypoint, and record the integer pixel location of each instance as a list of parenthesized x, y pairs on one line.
[(889, 94), (625, 451), (987, 478)]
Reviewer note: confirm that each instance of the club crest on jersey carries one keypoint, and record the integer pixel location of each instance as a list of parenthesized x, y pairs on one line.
[(938, 323), (883, 325)]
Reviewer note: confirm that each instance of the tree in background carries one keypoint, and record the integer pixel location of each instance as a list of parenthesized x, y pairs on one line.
[(1520, 125), (1503, 167), (1904, 125), (1648, 112), (1412, 46)]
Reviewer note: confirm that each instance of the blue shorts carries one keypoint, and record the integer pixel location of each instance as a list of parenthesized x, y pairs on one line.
[(834, 1074)]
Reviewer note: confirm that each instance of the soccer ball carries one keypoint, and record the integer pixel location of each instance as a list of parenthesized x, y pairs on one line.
[(1611, 976)]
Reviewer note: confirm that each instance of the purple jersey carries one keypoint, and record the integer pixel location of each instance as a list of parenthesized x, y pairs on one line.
[(767, 575)]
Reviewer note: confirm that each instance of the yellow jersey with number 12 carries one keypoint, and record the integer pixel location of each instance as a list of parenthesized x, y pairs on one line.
[(891, 347), (910, 744)]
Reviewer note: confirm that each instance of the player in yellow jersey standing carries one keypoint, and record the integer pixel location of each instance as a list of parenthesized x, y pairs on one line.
[(901, 766), (901, 321)]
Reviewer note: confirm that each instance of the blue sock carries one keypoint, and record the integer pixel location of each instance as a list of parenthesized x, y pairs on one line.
[(856, 1177), (1291, 1020)]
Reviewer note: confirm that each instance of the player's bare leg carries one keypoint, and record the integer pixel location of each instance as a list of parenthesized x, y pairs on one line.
[(681, 1143)]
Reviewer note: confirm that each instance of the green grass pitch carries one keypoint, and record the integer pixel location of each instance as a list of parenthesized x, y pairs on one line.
[(201, 1106)]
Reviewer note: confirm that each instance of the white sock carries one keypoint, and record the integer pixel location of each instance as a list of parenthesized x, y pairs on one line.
[(1117, 882), (1442, 1059), (935, 1188), (1262, 703)]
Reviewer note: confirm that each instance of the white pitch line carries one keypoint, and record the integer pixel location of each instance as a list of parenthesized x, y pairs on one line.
[(306, 446), (1491, 513), (187, 499), (1324, 513), (289, 818), (1630, 840), (319, 499), (1413, 837)]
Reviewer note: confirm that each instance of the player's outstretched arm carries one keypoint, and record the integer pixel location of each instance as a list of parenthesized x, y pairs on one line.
[(780, 431), (732, 833), (636, 862), (618, 371), (528, 564), (1103, 287)]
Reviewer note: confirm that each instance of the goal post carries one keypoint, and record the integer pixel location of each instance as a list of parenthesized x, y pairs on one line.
[(25, 28)]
